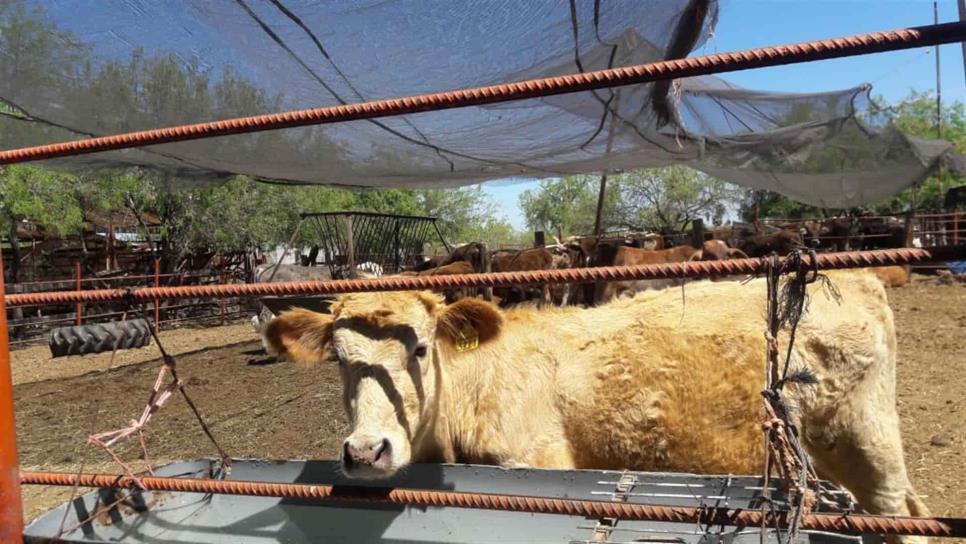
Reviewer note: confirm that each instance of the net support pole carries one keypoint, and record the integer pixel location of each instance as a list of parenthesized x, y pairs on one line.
[(11, 509), (602, 193)]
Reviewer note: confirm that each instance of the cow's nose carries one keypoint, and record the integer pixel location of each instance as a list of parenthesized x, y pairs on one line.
[(367, 454)]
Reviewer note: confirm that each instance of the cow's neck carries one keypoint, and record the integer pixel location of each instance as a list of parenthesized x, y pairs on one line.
[(452, 430)]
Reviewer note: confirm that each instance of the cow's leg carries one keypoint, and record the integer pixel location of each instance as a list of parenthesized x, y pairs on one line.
[(860, 448)]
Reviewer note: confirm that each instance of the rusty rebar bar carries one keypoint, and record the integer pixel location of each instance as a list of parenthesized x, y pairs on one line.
[(848, 523), (873, 42), (696, 269)]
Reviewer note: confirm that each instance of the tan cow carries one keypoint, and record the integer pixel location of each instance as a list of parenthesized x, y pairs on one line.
[(892, 276), (636, 384)]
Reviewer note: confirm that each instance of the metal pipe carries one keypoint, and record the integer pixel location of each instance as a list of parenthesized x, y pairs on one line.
[(11, 508), (697, 269), (874, 42), (846, 523)]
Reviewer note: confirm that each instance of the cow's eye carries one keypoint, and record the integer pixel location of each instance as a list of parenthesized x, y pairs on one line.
[(420, 351)]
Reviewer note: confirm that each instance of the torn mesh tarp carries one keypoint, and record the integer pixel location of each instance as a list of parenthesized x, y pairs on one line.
[(71, 69)]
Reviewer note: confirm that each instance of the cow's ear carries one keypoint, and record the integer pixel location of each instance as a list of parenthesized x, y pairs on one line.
[(459, 322), (300, 335)]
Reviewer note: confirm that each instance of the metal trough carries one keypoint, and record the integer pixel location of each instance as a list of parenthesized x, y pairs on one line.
[(185, 517)]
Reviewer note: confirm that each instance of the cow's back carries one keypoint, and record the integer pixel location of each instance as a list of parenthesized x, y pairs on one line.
[(660, 385)]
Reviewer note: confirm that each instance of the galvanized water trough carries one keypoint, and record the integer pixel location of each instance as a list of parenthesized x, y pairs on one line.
[(186, 517)]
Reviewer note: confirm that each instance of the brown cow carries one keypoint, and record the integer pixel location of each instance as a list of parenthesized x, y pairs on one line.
[(762, 244), (638, 384), (458, 267), (519, 261), (632, 256), (719, 250)]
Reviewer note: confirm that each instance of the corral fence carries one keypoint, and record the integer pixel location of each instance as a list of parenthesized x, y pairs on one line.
[(31, 324)]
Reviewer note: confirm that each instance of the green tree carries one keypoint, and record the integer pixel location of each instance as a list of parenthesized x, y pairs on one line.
[(668, 199), (42, 196), (658, 199), (567, 206)]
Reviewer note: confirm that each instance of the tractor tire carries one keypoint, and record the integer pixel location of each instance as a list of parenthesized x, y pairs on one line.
[(99, 337)]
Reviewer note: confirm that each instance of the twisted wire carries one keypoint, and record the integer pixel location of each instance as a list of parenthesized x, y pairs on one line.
[(696, 269), (842, 523), (873, 42)]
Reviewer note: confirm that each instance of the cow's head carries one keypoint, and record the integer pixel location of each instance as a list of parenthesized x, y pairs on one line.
[(389, 348)]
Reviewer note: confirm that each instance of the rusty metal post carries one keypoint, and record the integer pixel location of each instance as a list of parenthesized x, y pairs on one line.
[(11, 509), (78, 308), (157, 301)]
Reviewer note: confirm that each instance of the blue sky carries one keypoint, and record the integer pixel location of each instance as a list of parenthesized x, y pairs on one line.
[(745, 24)]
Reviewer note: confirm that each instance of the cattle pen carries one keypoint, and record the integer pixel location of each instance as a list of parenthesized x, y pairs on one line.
[(124, 499)]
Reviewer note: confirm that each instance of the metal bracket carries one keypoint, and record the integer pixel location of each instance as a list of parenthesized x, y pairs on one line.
[(605, 526)]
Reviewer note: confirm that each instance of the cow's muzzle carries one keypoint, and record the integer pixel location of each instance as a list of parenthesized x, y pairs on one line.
[(367, 457)]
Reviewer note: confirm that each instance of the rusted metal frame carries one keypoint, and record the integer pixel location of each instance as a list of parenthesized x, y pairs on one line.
[(697, 269), (874, 42), (442, 238), (11, 508), (847, 523)]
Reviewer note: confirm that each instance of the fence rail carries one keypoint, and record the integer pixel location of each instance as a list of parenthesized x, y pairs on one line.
[(32, 329)]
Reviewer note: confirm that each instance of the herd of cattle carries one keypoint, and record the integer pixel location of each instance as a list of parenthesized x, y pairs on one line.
[(726, 243), (721, 243)]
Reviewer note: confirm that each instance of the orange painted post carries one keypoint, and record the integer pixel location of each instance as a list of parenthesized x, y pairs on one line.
[(157, 301), (78, 308), (11, 509)]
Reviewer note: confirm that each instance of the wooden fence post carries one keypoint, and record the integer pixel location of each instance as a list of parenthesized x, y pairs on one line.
[(485, 257), (955, 228), (539, 238), (697, 233), (909, 228)]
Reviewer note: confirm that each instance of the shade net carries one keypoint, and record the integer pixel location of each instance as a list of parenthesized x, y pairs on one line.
[(72, 69)]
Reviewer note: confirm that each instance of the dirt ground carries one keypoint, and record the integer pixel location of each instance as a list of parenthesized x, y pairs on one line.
[(257, 408)]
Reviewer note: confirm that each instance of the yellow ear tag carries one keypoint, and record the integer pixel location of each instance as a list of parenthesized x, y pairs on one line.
[(469, 339)]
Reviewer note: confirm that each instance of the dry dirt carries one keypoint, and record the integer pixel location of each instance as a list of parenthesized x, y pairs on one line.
[(260, 409)]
